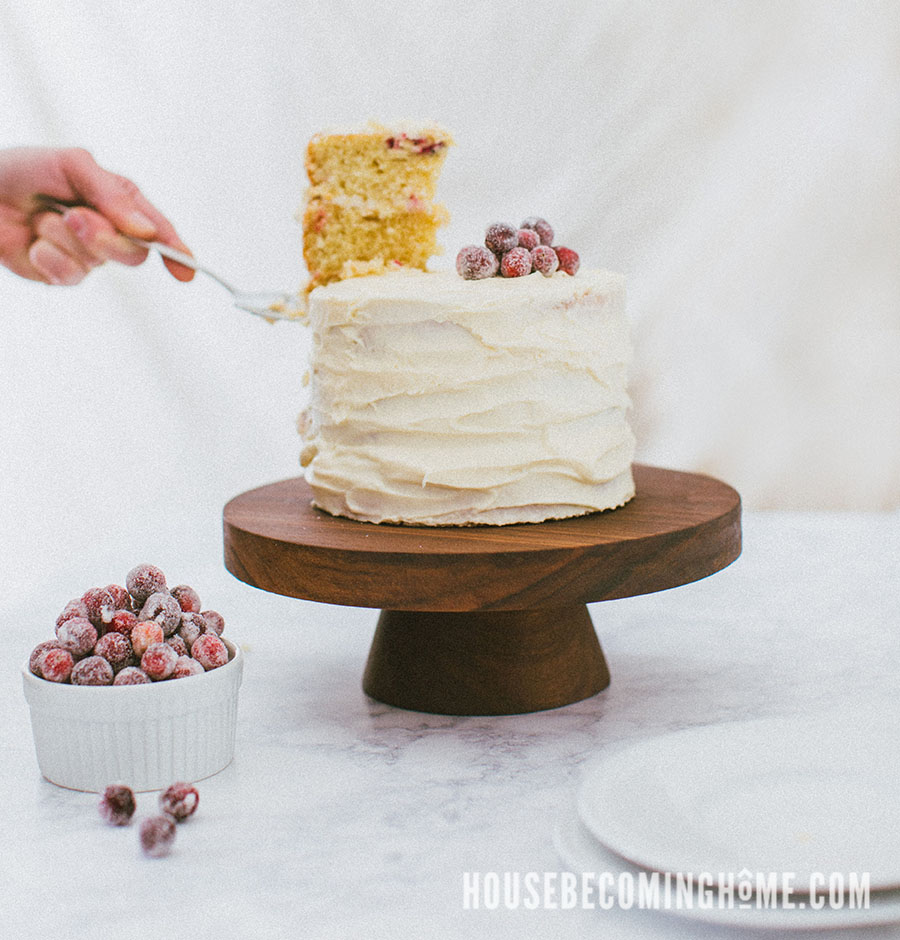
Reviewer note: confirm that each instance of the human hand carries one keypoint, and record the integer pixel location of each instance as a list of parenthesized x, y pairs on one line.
[(63, 248)]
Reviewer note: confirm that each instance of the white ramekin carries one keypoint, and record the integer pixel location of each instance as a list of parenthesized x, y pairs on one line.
[(145, 736)]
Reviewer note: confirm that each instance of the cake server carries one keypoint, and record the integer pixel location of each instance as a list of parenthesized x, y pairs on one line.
[(271, 305)]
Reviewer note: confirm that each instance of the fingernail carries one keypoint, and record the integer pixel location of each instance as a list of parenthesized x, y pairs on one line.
[(76, 222), (67, 280), (139, 221)]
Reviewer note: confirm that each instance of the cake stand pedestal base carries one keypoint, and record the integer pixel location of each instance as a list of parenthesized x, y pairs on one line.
[(488, 620), (485, 662)]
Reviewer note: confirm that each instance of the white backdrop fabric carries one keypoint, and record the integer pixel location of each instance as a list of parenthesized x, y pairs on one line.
[(738, 161)]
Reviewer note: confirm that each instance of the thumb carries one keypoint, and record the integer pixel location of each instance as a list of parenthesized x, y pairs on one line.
[(114, 196), (122, 203)]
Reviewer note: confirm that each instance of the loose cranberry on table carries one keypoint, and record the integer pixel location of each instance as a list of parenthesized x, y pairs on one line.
[(157, 835), (179, 801), (117, 804)]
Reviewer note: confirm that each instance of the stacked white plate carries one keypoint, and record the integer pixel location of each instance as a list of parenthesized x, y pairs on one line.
[(744, 818)]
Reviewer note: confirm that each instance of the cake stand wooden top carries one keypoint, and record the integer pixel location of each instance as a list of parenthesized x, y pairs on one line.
[(679, 527)]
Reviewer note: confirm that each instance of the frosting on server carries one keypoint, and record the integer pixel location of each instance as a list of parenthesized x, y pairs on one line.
[(440, 401)]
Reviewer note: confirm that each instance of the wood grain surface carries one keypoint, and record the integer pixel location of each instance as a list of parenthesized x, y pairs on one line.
[(678, 528), (485, 663)]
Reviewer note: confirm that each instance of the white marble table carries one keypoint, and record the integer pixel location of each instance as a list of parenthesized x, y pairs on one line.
[(343, 818)]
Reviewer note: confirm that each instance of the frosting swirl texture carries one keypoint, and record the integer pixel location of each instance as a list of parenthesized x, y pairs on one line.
[(440, 401)]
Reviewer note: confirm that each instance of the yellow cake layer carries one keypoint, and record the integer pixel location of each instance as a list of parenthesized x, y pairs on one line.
[(370, 203), (338, 240), (380, 163)]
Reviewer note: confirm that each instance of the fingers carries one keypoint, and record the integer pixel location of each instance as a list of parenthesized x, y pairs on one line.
[(68, 247), (122, 203), (53, 265), (94, 236), (56, 254)]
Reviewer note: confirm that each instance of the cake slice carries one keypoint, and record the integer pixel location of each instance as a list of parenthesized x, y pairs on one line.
[(370, 204)]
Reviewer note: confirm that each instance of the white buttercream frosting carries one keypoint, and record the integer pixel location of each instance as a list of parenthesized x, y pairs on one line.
[(440, 401)]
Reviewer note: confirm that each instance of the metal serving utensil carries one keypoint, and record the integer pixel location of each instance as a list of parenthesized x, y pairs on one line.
[(271, 305)]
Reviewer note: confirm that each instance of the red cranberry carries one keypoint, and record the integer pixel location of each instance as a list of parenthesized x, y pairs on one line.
[(187, 666), (501, 237), (117, 804), (427, 144), (188, 599), (177, 644), (209, 651), (164, 609), (144, 580), (215, 622), (157, 834), (34, 660), (568, 259), (116, 649), (120, 595), (192, 626), (541, 227), (528, 238), (94, 670), (56, 665), (516, 263), (75, 608), (123, 621), (132, 675), (144, 635), (101, 606), (77, 635), (159, 661), (545, 260), (475, 262), (179, 801)]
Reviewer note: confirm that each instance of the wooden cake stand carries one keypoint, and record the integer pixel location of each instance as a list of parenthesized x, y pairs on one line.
[(485, 620)]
